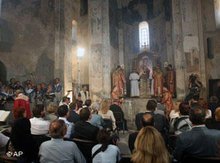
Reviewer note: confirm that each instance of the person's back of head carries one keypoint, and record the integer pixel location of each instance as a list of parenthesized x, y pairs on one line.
[(217, 114), (103, 138), (72, 106), (88, 102), (52, 109), (79, 104), (104, 106), (84, 114), (65, 99), (150, 147), (62, 111), (18, 112), (38, 111), (197, 115), (147, 120), (151, 105), (58, 129), (184, 108)]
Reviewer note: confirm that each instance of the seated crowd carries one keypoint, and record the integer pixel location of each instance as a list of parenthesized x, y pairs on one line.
[(87, 132)]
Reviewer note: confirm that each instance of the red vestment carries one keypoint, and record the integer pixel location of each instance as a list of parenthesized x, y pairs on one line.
[(168, 103), (23, 101), (158, 83), (119, 82), (170, 80)]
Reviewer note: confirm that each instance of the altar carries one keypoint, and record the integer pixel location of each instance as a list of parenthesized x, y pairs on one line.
[(143, 64)]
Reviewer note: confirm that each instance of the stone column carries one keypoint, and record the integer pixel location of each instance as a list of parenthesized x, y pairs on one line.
[(99, 50), (178, 49), (59, 31), (63, 43)]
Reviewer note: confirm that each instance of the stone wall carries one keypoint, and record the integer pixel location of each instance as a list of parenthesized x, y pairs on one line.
[(210, 31), (27, 39)]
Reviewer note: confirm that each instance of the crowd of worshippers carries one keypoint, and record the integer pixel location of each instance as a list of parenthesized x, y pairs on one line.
[(66, 134), (72, 132), (40, 93)]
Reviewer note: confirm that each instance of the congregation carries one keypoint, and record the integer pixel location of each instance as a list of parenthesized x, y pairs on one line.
[(47, 127)]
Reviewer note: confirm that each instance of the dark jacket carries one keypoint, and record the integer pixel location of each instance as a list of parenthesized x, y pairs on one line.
[(199, 142), (73, 116), (160, 121), (212, 124), (86, 131)]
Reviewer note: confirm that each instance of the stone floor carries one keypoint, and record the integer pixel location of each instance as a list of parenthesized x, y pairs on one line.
[(123, 143)]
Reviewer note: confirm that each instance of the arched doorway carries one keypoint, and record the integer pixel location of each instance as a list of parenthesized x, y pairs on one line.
[(3, 73)]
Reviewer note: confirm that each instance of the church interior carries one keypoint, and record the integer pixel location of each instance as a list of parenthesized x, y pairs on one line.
[(125, 52)]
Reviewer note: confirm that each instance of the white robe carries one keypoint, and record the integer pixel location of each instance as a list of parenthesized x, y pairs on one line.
[(134, 77)]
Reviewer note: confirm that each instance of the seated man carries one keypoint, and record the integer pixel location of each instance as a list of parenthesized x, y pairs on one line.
[(117, 109), (160, 121), (39, 126), (200, 141), (146, 120), (160, 108), (63, 114), (57, 150), (73, 116), (214, 123), (83, 129)]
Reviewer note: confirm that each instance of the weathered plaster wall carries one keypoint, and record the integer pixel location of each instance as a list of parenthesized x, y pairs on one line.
[(27, 39), (210, 31)]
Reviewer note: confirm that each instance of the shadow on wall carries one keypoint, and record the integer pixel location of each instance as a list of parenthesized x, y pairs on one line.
[(6, 37), (3, 72), (44, 69)]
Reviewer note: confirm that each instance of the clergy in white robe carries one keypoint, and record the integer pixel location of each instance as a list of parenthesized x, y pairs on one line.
[(134, 77)]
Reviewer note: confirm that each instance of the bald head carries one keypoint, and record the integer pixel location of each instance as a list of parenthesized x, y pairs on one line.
[(147, 120), (57, 129), (217, 114)]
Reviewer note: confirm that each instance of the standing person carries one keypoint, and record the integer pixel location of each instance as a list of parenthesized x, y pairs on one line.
[(170, 79), (38, 95), (158, 81), (119, 81), (57, 150), (134, 77), (83, 94), (167, 101), (58, 89), (29, 92), (22, 101), (150, 147), (194, 86), (50, 96)]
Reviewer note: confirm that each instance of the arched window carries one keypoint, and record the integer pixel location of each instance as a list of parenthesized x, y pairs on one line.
[(217, 13), (144, 38), (74, 30)]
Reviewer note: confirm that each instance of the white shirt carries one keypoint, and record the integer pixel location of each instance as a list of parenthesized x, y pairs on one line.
[(39, 126), (209, 114), (109, 115), (69, 125)]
